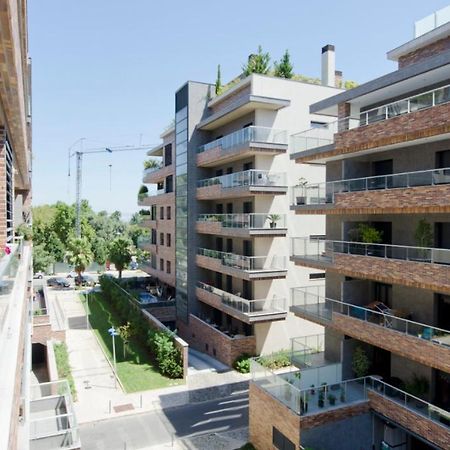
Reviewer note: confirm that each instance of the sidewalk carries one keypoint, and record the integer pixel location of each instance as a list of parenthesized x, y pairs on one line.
[(98, 396)]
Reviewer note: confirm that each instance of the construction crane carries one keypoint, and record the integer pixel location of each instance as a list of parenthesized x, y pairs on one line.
[(78, 154)]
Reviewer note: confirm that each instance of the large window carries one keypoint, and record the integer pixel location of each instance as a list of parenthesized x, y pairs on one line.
[(280, 441)]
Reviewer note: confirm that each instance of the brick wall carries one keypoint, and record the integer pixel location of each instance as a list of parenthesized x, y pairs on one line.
[(207, 339), (437, 434), (264, 413), (420, 54), (42, 332), (420, 350), (159, 174)]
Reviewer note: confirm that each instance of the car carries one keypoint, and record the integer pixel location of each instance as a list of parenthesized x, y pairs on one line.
[(52, 281), (58, 282), (72, 274), (85, 280), (38, 275)]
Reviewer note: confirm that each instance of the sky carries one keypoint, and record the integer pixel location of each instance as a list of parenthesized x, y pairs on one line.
[(107, 70)]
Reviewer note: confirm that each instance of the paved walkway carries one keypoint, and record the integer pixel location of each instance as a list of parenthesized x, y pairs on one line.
[(98, 395)]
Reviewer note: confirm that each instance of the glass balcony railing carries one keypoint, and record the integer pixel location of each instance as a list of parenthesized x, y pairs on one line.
[(145, 240), (153, 168), (323, 193), (307, 300), (248, 307), (429, 23), (324, 135), (250, 221), (252, 177), (246, 263), (324, 250), (263, 135), (289, 390)]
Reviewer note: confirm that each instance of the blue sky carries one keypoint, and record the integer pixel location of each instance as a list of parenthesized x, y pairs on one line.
[(107, 70)]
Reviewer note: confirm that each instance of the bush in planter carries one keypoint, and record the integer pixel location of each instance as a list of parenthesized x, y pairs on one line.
[(166, 354), (321, 400), (242, 363), (332, 399), (418, 386), (360, 362)]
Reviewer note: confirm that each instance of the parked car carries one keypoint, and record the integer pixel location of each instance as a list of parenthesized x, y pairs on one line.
[(38, 275), (58, 282), (52, 281), (72, 274), (85, 280)]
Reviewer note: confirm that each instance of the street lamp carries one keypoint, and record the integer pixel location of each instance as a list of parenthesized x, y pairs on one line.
[(87, 310), (112, 331)]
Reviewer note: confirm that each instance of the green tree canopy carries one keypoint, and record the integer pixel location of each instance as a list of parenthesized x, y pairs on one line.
[(41, 259), (120, 253), (284, 68), (257, 63), (79, 254)]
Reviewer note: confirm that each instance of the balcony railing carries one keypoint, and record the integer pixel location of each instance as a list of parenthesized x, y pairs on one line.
[(319, 136), (307, 300), (246, 263), (158, 165), (305, 401), (248, 307), (252, 177), (324, 250), (323, 193), (251, 221), (263, 135), (145, 240)]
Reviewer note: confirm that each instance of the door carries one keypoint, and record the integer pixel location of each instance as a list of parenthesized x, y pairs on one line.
[(248, 207), (219, 244), (379, 168), (248, 248), (230, 245), (442, 235), (443, 159)]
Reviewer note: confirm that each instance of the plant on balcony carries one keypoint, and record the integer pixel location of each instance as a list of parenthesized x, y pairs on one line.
[(152, 164), (424, 234), (257, 63), (360, 362), (418, 386), (274, 218), (284, 68), (301, 199), (312, 390), (143, 192), (321, 400), (365, 233), (331, 399), (218, 86), (242, 363), (342, 395)]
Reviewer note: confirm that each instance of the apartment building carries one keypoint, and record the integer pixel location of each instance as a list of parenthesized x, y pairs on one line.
[(231, 178), (385, 303), (161, 218)]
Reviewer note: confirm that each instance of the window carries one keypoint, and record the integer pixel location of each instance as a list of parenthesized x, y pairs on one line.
[(168, 268), (315, 124), (161, 238), (153, 238), (169, 213), (168, 240), (161, 264), (280, 441), (169, 184), (316, 276), (153, 213), (161, 212), (168, 155)]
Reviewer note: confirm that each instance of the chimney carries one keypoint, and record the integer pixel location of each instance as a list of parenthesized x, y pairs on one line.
[(328, 65), (338, 79)]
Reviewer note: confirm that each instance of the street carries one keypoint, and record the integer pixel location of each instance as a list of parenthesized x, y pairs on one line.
[(160, 427)]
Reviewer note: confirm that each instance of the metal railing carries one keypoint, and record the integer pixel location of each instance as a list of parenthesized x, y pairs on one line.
[(244, 306), (302, 299), (304, 347), (247, 263), (323, 193), (324, 250), (321, 398), (246, 178), (251, 221), (265, 135), (144, 240), (324, 135)]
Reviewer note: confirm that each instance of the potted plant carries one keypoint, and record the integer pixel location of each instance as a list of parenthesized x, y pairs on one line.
[(331, 399), (312, 390), (360, 362), (301, 199), (321, 400), (424, 238), (418, 386), (342, 395), (274, 218)]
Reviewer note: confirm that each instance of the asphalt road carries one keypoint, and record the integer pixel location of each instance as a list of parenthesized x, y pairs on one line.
[(159, 427)]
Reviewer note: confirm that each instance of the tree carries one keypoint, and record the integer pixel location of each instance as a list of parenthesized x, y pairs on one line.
[(284, 68), (349, 84), (64, 221), (257, 63), (423, 234), (125, 332), (120, 253), (218, 81), (360, 362), (41, 259), (100, 250), (79, 254)]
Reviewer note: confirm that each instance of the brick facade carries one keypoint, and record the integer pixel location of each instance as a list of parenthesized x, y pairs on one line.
[(413, 200), (207, 339), (158, 175), (443, 45), (422, 426), (265, 412), (414, 348), (43, 332)]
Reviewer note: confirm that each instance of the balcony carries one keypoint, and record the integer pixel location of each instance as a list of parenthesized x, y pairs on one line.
[(423, 116), (157, 173), (243, 143), (420, 267), (147, 243), (242, 225), (425, 191), (244, 267), (242, 184), (53, 423), (248, 311), (162, 275), (352, 397), (377, 325), (160, 197)]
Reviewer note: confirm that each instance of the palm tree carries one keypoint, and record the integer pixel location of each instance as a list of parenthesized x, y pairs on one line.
[(120, 253), (79, 255)]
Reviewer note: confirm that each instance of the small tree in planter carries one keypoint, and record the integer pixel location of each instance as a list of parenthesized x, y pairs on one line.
[(418, 386), (274, 218), (423, 237), (360, 362), (301, 199), (321, 400), (331, 399)]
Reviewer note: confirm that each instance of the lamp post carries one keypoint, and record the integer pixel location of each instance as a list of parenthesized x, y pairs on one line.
[(112, 331), (87, 310)]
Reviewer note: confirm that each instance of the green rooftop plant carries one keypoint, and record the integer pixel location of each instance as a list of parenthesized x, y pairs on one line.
[(242, 363), (257, 63), (218, 87), (284, 68), (152, 164)]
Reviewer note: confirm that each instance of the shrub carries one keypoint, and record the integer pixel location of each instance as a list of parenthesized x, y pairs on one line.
[(360, 362), (63, 366), (242, 363), (166, 354), (276, 360)]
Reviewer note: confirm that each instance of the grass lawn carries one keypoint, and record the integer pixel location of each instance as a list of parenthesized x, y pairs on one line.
[(136, 371), (63, 366)]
